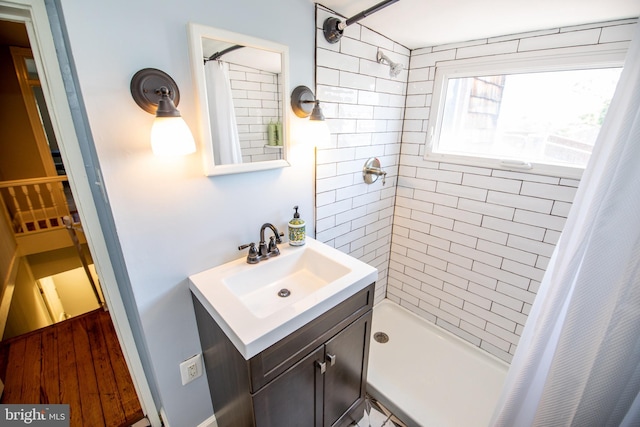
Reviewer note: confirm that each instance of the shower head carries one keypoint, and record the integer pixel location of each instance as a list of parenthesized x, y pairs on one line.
[(394, 67)]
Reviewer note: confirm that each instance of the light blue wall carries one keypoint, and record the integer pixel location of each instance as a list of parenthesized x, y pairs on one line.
[(171, 220)]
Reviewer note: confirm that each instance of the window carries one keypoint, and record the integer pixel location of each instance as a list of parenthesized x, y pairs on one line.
[(542, 113)]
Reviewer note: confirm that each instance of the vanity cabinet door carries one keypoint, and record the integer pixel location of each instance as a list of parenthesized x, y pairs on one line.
[(293, 399), (347, 356)]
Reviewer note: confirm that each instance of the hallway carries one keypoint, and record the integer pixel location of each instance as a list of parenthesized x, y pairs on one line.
[(78, 362)]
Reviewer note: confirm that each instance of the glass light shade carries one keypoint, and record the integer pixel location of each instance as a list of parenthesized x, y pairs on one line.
[(170, 136), (318, 133)]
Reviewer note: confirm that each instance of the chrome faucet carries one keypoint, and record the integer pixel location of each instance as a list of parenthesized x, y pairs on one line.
[(263, 250)]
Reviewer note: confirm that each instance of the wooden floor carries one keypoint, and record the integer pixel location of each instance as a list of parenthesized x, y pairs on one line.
[(78, 362)]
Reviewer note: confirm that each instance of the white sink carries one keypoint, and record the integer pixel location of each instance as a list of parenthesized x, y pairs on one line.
[(301, 273), (244, 298)]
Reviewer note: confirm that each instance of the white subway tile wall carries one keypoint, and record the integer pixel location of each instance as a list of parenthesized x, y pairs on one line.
[(364, 108), (256, 102), (464, 247), (470, 245)]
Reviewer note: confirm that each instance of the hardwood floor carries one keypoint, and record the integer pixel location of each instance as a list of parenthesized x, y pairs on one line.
[(78, 362)]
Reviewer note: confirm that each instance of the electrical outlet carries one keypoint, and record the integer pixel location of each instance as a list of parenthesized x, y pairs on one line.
[(191, 369)]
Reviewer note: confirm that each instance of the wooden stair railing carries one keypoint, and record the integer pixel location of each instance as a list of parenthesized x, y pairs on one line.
[(35, 204)]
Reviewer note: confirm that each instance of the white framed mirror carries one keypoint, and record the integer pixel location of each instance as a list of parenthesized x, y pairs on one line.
[(242, 85)]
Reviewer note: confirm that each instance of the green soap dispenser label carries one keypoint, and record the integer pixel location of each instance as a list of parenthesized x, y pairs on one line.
[(297, 233)]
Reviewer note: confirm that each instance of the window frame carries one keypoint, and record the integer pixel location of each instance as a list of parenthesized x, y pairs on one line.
[(564, 59)]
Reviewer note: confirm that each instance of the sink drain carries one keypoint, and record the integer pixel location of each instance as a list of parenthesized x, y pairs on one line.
[(284, 293), (381, 337)]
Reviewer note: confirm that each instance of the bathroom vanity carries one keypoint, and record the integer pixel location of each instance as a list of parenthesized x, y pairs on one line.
[(275, 361)]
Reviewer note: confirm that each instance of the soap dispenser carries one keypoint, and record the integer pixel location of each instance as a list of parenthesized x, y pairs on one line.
[(297, 232)]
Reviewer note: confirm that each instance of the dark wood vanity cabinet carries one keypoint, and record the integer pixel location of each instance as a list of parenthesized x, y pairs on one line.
[(316, 376)]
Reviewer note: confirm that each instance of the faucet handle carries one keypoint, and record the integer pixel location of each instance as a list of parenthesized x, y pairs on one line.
[(273, 249), (278, 236), (252, 257)]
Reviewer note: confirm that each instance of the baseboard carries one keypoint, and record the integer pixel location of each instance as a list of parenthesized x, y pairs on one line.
[(209, 422)]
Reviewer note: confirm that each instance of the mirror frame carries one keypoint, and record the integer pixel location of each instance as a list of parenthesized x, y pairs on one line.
[(196, 33)]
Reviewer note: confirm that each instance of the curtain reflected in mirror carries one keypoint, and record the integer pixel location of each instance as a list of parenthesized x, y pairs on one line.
[(222, 115)]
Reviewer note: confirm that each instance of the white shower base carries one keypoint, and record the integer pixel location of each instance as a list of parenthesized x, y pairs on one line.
[(429, 377)]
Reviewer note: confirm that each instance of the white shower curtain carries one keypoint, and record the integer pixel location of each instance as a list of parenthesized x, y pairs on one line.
[(578, 360), (222, 117)]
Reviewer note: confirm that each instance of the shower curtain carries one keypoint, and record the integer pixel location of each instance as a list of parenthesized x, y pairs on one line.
[(578, 360), (222, 117)]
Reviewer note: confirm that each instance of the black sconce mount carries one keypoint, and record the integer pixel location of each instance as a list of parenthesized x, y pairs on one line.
[(304, 104), (155, 92), (333, 28)]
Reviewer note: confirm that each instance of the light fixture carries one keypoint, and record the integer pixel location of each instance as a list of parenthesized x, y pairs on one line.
[(304, 104), (333, 27), (156, 93)]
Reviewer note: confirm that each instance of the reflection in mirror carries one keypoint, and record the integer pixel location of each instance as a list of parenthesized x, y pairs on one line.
[(242, 84), (243, 95)]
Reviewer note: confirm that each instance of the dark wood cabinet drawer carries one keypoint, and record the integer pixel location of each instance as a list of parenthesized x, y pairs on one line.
[(276, 359)]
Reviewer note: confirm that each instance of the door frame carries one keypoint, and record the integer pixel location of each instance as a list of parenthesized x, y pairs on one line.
[(33, 13)]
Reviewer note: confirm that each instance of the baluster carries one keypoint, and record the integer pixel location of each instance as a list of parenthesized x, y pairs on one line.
[(48, 222), (54, 201), (25, 191), (21, 226)]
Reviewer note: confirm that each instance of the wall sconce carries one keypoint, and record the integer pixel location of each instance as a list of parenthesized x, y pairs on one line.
[(156, 93), (304, 104), (301, 102)]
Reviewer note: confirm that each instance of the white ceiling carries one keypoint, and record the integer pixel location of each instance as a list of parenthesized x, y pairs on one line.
[(424, 23)]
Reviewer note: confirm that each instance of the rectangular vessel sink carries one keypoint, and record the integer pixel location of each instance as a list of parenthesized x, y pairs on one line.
[(247, 302), (271, 286)]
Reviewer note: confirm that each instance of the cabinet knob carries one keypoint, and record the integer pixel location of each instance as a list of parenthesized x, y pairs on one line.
[(331, 358), (322, 366)]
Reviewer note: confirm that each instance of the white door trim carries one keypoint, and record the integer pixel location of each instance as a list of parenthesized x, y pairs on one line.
[(33, 14)]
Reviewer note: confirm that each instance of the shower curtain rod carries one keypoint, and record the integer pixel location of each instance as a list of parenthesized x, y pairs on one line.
[(369, 11), (333, 27), (217, 55)]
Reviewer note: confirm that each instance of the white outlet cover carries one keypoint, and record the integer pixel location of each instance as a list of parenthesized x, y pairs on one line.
[(184, 368)]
